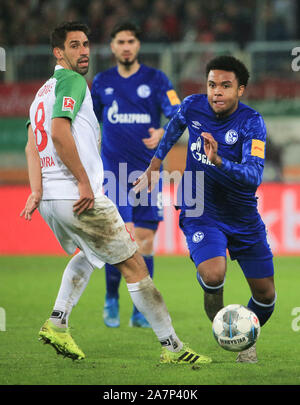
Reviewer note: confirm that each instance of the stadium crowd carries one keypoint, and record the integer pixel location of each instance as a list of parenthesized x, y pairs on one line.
[(29, 21)]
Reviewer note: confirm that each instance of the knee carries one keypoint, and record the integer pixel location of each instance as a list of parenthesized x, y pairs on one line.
[(212, 277), (263, 291), (145, 240), (267, 297), (212, 271)]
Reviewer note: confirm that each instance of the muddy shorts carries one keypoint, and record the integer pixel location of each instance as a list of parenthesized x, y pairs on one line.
[(100, 233)]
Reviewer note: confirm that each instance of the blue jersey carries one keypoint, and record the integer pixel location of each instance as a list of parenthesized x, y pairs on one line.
[(228, 191), (127, 108)]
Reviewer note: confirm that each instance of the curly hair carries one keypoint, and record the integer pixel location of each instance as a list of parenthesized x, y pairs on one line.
[(230, 64)]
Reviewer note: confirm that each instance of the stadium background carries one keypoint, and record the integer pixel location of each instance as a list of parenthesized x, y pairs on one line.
[(179, 37)]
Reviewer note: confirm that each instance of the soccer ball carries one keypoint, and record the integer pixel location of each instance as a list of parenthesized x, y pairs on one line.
[(236, 328)]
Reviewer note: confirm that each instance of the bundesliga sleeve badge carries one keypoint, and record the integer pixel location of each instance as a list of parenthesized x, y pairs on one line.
[(68, 104)]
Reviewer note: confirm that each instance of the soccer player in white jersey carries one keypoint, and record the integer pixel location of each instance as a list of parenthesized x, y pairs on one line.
[(66, 174)]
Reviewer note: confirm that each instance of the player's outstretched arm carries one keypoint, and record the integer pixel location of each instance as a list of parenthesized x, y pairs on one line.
[(66, 148), (35, 176)]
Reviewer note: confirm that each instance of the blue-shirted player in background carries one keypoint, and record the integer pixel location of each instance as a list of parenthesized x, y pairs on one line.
[(227, 143), (129, 100)]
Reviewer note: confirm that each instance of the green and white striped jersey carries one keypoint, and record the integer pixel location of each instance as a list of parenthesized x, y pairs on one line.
[(67, 95)]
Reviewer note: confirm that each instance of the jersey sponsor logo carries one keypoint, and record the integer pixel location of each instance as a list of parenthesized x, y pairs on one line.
[(197, 237), (258, 148), (143, 91), (196, 152), (114, 117), (231, 137), (68, 104), (173, 98)]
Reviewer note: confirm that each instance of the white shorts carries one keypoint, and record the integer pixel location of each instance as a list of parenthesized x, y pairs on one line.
[(100, 233)]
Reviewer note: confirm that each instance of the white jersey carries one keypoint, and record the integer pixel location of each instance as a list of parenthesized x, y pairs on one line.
[(66, 95)]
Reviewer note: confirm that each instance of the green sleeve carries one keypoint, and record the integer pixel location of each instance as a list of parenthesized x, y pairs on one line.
[(70, 92)]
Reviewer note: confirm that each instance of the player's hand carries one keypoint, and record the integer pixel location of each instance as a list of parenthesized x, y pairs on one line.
[(86, 199), (155, 137), (211, 149), (149, 178), (31, 205)]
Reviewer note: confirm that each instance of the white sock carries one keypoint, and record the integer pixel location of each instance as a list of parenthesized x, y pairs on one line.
[(75, 278), (150, 303)]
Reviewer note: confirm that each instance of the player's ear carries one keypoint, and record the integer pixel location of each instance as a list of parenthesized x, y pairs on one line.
[(57, 52), (112, 47), (241, 90), (139, 44)]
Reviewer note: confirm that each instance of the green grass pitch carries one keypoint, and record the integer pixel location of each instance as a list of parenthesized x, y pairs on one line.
[(130, 356)]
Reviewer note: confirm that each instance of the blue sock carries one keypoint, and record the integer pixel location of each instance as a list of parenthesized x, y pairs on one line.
[(113, 279), (262, 311), (149, 260)]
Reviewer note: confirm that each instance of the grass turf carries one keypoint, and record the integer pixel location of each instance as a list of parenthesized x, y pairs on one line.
[(130, 356)]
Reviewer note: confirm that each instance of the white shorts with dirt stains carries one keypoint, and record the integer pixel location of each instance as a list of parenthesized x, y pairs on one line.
[(100, 233)]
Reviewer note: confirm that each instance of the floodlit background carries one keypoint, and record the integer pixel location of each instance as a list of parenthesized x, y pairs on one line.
[(179, 37)]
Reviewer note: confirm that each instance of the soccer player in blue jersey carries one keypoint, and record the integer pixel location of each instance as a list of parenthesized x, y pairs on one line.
[(129, 100), (227, 144)]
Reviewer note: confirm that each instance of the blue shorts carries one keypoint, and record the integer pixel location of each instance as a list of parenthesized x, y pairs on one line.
[(145, 211), (252, 251)]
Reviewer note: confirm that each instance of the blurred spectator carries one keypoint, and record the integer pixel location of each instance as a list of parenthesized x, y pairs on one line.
[(29, 21)]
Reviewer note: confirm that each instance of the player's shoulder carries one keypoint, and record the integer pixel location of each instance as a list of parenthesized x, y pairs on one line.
[(68, 80), (195, 100), (248, 112), (153, 73), (251, 121), (105, 75)]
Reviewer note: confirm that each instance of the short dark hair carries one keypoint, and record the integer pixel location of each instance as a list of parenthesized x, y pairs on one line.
[(230, 64), (59, 34), (126, 26)]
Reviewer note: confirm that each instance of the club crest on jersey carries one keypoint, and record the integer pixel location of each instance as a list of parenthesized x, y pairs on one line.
[(68, 104), (108, 91), (198, 236), (143, 91), (231, 137)]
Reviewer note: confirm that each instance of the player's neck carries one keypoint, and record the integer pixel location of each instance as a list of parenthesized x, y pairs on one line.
[(128, 70)]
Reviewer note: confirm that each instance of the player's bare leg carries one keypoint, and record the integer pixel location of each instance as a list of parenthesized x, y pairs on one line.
[(211, 274), (213, 303)]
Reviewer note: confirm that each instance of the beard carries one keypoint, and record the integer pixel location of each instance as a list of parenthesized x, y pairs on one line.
[(127, 62), (82, 70)]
